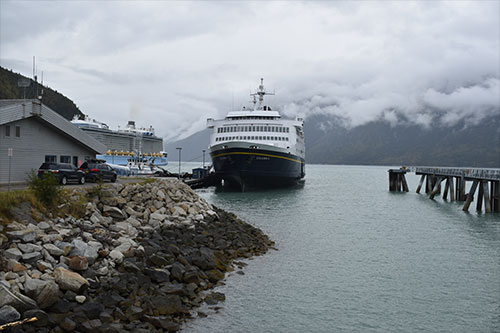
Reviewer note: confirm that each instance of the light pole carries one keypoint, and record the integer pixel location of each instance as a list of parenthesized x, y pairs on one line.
[(179, 175), (203, 158)]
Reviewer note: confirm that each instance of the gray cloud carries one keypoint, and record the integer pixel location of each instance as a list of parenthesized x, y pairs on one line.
[(174, 64)]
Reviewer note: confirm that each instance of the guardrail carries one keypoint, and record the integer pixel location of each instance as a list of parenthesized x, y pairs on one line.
[(468, 173)]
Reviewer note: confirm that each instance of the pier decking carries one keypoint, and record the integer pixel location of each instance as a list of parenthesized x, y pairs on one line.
[(485, 181)]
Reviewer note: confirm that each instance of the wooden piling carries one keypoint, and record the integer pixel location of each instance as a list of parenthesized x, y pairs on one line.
[(436, 188), (446, 188), (470, 196), (452, 189), (495, 196), (480, 196), (422, 178), (486, 195)]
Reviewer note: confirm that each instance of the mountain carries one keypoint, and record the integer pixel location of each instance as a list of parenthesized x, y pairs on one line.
[(192, 147), (379, 143), (53, 99)]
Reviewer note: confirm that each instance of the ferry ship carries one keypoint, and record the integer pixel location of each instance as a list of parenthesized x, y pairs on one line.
[(255, 148)]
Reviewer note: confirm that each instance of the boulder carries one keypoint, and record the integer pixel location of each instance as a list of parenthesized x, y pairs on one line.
[(26, 235), (13, 253), (68, 280), (20, 302), (8, 314), (114, 212), (45, 293), (80, 248), (32, 257), (168, 305)]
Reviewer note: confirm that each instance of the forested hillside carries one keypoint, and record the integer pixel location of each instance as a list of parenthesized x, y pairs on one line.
[(56, 101)]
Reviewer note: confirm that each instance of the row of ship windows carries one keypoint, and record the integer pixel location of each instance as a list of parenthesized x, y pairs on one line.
[(274, 138), (252, 128)]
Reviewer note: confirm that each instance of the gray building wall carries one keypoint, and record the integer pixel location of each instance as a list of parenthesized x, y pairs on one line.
[(36, 140)]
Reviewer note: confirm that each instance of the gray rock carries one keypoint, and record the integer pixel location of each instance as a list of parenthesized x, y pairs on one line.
[(43, 226), (8, 314), (45, 293), (20, 302), (32, 257), (26, 235), (41, 316), (114, 212), (177, 271), (53, 250), (80, 248), (167, 305), (116, 256), (13, 253), (157, 216), (28, 247), (68, 325)]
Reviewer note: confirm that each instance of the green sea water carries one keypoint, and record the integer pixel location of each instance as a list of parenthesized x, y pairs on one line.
[(353, 257)]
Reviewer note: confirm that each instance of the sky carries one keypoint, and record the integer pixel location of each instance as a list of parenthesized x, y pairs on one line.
[(173, 64)]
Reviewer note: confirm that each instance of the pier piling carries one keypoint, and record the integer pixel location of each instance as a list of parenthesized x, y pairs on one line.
[(486, 181)]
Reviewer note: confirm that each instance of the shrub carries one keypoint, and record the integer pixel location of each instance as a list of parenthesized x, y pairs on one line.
[(45, 188)]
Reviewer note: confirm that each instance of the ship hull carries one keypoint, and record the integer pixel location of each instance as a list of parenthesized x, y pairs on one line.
[(245, 169)]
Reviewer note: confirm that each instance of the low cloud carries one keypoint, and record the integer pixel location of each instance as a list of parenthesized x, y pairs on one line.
[(179, 63)]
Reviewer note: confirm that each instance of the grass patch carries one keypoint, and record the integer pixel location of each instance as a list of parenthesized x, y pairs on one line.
[(9, 200)]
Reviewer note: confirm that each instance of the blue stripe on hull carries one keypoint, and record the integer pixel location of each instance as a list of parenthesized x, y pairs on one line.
[(250, 168)]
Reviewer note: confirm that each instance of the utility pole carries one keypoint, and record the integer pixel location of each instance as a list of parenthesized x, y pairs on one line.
[(179, 175)]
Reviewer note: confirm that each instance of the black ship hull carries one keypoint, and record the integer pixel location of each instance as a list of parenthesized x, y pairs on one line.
[(244, 169)]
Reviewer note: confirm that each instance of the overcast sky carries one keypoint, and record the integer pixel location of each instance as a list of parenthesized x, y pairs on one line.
[(174, 64)]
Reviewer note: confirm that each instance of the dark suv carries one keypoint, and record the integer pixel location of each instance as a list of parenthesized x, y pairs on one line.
[(98, 171), (64, 172)]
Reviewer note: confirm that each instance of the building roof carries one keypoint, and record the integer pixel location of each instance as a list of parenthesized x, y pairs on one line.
[(16, 109)]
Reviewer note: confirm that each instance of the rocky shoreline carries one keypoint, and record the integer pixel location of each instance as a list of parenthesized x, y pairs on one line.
[(143, 258)]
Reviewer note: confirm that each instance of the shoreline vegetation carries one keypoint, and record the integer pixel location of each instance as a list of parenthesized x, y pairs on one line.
[(139, 257)]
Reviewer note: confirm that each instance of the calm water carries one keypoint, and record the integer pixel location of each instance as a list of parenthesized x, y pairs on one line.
[(355, 258)]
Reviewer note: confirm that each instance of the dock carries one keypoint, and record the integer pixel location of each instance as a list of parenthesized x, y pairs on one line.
[(485, 181)]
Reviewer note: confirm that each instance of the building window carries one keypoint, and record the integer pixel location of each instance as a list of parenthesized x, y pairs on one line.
[(50, 158), (18, 131), (75, 161), (65, 159), (7, 130)]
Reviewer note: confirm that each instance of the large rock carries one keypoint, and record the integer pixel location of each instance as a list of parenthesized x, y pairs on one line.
[(167, 305), (53, 250), (13, 253), (8, 314), (68, 280), (45, 293), (26, 235), (20, 302), (114, 212)]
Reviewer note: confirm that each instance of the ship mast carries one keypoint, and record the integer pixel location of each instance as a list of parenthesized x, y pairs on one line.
[(261, 92)]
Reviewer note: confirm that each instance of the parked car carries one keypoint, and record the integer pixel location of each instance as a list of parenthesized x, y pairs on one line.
[(64, 172), (96, 171)]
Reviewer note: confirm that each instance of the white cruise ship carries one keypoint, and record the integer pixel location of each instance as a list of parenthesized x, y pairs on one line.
[(255, 148)]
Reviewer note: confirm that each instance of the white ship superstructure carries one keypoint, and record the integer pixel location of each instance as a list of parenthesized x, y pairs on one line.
[(255, 147)]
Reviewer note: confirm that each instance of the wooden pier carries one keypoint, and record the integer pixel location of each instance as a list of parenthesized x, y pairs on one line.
[(485, 181)]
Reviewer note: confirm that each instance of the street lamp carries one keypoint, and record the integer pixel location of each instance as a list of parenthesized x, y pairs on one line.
[(179, 175)]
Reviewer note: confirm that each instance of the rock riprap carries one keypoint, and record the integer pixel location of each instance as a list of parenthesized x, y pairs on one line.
[(143, 258)]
